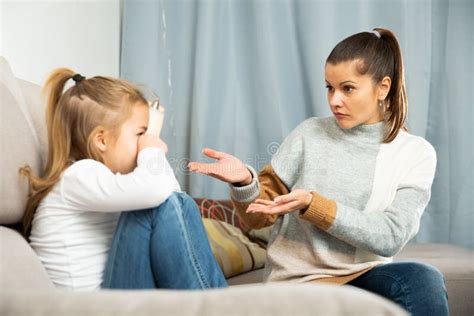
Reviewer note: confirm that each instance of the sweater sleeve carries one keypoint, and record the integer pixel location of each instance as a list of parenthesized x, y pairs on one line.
[(381, 232), (90, 185), (267, 185), (276, 178)]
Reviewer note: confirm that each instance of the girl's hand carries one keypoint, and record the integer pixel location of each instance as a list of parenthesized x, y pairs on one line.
[(227, 168), (283, 204), (150, 140)]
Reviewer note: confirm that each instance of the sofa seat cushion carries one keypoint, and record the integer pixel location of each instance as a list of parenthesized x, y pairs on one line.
[(254, 276)]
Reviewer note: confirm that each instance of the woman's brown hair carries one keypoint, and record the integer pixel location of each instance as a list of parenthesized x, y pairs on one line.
[(72, 119), (380, 55)]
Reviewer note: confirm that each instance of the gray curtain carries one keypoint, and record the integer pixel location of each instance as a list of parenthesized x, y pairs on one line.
[(239, 75)]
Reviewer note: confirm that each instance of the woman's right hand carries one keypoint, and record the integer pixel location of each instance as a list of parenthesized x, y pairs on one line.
[(227, 168), (150, 140)]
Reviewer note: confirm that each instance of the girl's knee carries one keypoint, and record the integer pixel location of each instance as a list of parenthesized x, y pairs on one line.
[(183, 203), (186, 201), (175, 199), (184, 197)]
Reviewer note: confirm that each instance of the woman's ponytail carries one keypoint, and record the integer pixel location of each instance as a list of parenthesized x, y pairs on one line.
[(397, 102)]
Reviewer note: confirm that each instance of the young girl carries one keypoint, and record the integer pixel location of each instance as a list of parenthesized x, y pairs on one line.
[(101, 162), (346, 193)]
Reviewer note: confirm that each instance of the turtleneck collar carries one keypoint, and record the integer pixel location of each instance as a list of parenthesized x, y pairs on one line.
[(368, 133)]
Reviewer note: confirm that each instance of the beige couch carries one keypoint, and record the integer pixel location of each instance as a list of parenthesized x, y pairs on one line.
[(25, 288)]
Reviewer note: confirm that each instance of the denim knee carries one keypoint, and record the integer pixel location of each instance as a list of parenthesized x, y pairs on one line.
[(425, 272), (184, 197), (176, 199), (180, 202), (186, 202)]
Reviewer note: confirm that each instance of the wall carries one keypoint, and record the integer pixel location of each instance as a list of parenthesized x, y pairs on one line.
[(37, 36)]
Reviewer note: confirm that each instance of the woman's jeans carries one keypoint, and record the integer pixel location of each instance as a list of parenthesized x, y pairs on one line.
[(162, 247), (419, 288)]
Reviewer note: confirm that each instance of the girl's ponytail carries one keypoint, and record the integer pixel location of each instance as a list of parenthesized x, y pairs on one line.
[(59, 137), (59, 145)]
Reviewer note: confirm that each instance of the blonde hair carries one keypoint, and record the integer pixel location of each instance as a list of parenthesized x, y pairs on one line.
[(72, 119), (381, 56)]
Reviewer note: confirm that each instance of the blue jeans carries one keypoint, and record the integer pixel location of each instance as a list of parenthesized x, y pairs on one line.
[(419, 288), (162, 247)]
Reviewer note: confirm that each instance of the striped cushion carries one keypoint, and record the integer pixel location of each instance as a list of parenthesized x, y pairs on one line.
[(234, 252), (222, 210)]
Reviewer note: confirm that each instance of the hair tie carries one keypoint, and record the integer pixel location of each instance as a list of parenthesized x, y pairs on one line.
[(78, 78), (376, 33)]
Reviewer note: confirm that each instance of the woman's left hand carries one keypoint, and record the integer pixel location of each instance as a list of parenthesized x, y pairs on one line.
[(283, 204)]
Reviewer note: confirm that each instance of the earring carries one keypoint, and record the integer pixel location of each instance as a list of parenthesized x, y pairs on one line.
[(380, 103)]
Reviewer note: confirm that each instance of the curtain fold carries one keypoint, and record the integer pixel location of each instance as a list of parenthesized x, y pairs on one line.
[(238, 76)]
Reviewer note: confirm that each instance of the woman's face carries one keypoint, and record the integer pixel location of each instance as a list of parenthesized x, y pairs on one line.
[(353, 98)]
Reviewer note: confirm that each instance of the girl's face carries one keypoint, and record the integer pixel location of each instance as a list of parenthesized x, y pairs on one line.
[(120, 155), (353, 98)]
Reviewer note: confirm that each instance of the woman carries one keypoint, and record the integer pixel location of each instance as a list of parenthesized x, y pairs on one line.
[(346, 193)]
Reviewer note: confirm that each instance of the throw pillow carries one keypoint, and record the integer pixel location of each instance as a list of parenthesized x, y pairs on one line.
[(234, 252), (222, 210)]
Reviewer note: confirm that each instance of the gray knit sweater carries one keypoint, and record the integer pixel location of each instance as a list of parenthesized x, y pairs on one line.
[(368, 198)]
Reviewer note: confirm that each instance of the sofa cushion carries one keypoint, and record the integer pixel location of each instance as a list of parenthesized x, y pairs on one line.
[(222, 210), (20, 268), (23, 140), (234, 252), (254, 276)]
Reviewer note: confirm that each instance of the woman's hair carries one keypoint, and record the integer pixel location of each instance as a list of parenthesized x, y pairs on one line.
[(380, 55), (72, 119)]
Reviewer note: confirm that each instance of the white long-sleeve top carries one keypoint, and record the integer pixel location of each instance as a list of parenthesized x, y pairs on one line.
[(73, 226)]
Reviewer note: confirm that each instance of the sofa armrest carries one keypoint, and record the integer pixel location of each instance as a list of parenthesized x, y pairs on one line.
[(20, 268), (258, 299)]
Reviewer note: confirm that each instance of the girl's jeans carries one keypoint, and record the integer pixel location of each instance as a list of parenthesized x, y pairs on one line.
[(162, 247)]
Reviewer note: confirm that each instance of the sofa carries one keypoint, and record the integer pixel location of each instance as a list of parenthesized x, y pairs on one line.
[(25, 288), (456, 263)]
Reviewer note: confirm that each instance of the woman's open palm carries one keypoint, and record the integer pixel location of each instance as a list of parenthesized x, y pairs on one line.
[(227, 168)]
